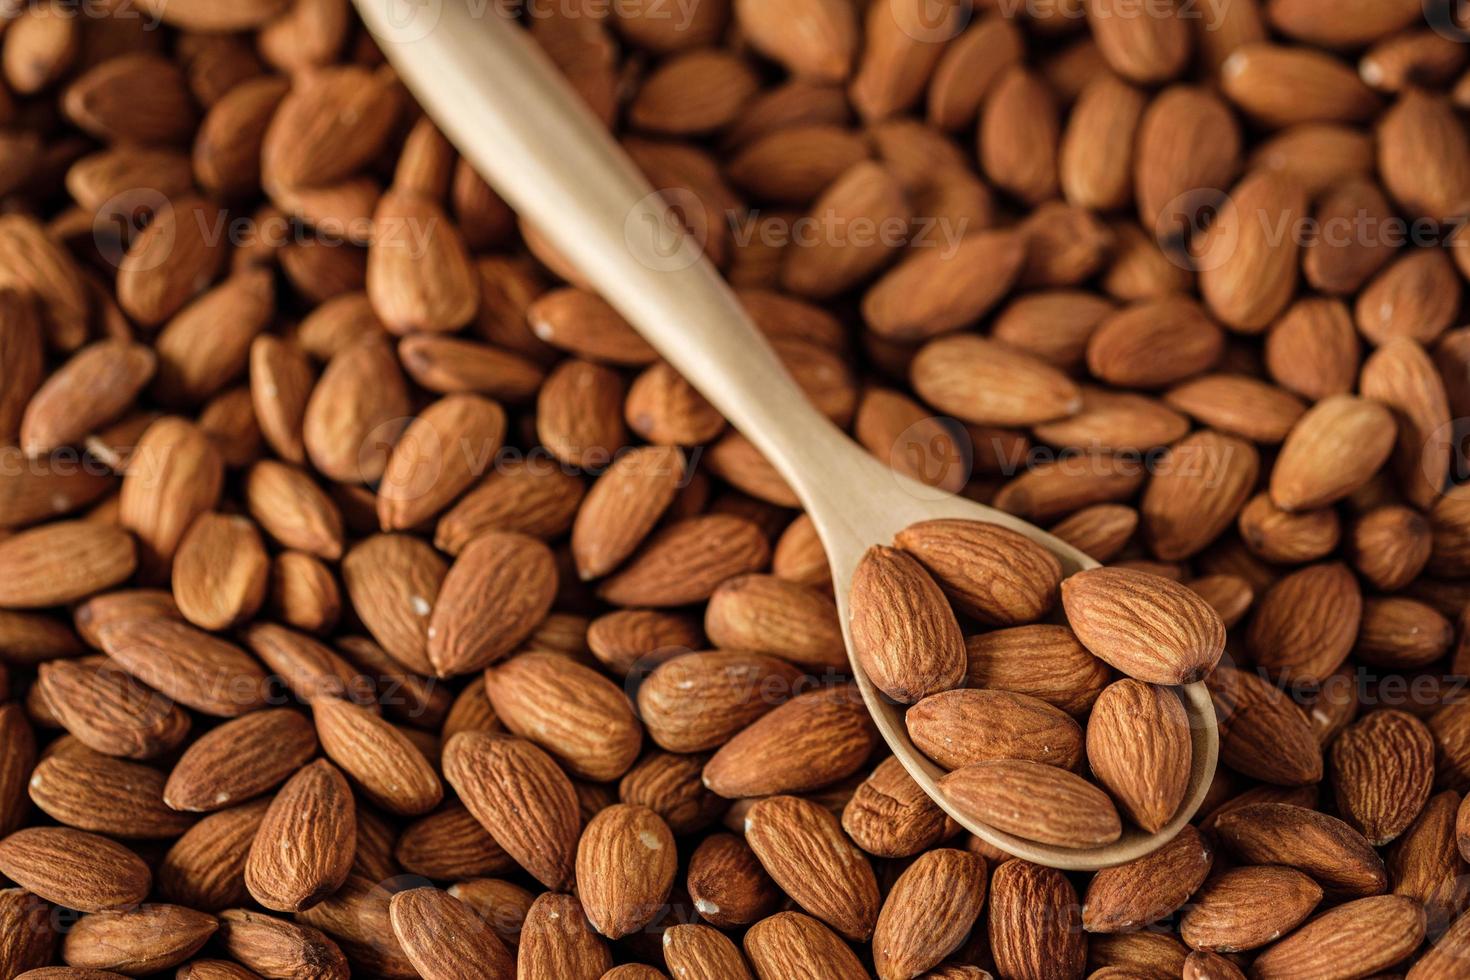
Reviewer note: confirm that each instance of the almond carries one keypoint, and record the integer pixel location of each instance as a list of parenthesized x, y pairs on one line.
[(142, 940), (797, 945), (1144, 890), (804, 849), (303, 849), (187, 664), (686, 560), (928, 912), (625, 867), (1147, 775), (1248, 256), (557, 941), (961, 727), (522, 797), (903, 631), (109, 711), (939, 290), (383, 763), (812, 740), (1305, 624), (1034, 801), (1035, 921), (1324, 847), (220, 571), (1370, 934), (272, 946), (623, 506), (1263, 734), (75, 869), (63, 561), (438, 456), (571, 711), (393, 581), (497, 591), (1245, 908), (1333, 450), (697, 701), (1382, 773), (444, 939), (813, 38), (240, 759), (1104, 606), (983, 382)]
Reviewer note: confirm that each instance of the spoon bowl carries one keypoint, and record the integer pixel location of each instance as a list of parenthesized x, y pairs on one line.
[(502, 102)]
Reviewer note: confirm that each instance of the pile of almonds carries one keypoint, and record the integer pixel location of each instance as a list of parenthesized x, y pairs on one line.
[(998, 709), (375, 602)]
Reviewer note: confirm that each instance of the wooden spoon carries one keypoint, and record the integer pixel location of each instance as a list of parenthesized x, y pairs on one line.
[(509, 111)]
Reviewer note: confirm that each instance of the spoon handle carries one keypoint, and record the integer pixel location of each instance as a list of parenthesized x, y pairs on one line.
[(502, 101)]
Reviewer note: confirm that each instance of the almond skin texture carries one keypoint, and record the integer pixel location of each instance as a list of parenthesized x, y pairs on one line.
[(1305, 624), (142, 940), (767, 614), (928, 912), (74, 869), (240, 759), (789, 944), (1043, 661), (903, 631), (63, 561), (992, 573), (625, 867), (1034, 801), (191, 666), (623, 506), (438, 456), (1337, 856), (1148, 627), (1150, 888), (522, 797), (957, 728), (812, 740), (698, 701), (497, 591), (1139, 747), (558, 941), (95, 792), (1367, 935), (987, 383), (444, 939), (1035, 922), (383, 762), (1245, 908), (304, 847), (687, 560), (803, 848), (1382, 773), (1332, 450), (571, 711), (275, 947)]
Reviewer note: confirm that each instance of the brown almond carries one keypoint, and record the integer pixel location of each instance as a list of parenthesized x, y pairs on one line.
[(623, 506), (444, 939), (1305, 624), (1369, 934), (91, 791), (1421, 154), (986, 383), (1035, 921), (803, 848), (1147, 889), (571, 711), (240, 759), (272, 946), (304, 846), (697, 701), (1245, 908), (147, 939), (962, 727), (1034, 801), (1104, 607), (1337, 856), (813, 740), (438, 456), (793, 944), (188, 665), (220, 571), (383, 762), (74, 869), (1196, 491), (625, 868), (1281, 85), (903, 631), (356, 411), (497, 591), (1333, 450), (175, 474), (63, 561), (938, 290), (393, 581), (109, 711), (687, 560), (513, 787), (1382, 773), (1140, 747)]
